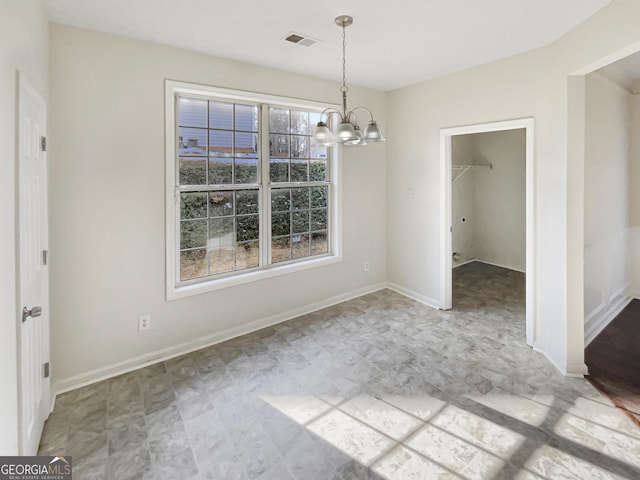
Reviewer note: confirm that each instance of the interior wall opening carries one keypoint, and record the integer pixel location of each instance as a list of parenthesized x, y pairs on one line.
[(488, 219), (488, 189), (612, 230)]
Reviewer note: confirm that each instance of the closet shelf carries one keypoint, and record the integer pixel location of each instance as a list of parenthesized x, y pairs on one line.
[(465, 168)]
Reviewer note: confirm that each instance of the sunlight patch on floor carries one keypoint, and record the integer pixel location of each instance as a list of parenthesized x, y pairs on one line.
[(551, 463), (356, 439), (398, 444), (301, 408), (520, 408)]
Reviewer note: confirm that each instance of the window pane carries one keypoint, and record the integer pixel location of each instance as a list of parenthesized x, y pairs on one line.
[(247, 255), (221, 232), (221, 259), (193, 171), (220, 143), (299, 170), (314, 118), (300, 198), (248, 228), (319, 243), (193, 205), (299, 246), (280, 224), (280, 249), (279, 146), (220, 171), (192, 141), (220, 204), (193, 264), (246, 144), (319, 197), (192, 112), (279, 170), (318, 151), (246, 202), (247, 118), (300, 122), (193, 234), (246, 170), (300, 221), (318, 170), (299, 146), (318, 219), (278, 120), (221, 115), (280, 200)]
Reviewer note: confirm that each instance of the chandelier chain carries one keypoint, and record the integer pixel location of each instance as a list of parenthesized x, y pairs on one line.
[(344, 87)]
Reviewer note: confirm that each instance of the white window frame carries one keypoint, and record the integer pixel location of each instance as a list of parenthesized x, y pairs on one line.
[(175, 290)]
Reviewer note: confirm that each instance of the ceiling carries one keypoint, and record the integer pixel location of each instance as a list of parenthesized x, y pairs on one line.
[(391, 43)]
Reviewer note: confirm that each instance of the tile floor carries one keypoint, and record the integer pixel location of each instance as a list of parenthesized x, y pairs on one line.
[(376, 387)]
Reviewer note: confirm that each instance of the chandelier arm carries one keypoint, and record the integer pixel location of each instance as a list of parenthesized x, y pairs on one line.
[(327, 112), (352, 113), (364, 108)]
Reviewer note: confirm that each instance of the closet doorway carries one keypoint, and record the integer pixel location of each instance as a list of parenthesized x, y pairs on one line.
[(487, 205)]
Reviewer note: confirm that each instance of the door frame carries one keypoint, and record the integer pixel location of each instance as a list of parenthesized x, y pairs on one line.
[(446, 222), (22, 84)]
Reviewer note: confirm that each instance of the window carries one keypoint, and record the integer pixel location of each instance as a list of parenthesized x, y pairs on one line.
[(248, 196)]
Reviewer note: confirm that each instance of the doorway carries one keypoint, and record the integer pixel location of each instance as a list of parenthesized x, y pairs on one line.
[(447, 136)]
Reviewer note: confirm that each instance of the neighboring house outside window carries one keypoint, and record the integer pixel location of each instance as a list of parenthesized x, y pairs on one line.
[(250, 196)]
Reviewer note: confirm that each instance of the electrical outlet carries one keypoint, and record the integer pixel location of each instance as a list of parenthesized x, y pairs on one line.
[(366, 266), (144, 322)]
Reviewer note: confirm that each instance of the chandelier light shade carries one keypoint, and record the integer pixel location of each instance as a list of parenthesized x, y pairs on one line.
[(348, 131)]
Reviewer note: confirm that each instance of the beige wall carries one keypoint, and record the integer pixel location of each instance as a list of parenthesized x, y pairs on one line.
[(23, 47), (492, 201), (107, 212), (635, 161), (463, 239), (534, 84), (500, 197), (607, 206)]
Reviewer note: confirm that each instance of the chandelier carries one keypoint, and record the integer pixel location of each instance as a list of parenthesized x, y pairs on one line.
[(348, 131)]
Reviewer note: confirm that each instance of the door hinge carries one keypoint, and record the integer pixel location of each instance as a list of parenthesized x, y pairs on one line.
[(45, 257), (43, 143), (46, 370)]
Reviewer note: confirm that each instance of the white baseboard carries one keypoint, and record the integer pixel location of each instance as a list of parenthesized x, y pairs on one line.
[(576, 370), (465, 262), (135, 363), (569, 370), (488, 263), (602, 316), (501, 266), (430, 302)]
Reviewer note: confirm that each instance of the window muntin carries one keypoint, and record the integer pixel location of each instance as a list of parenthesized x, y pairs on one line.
[(226, 193), (299, 222), (292, 158)]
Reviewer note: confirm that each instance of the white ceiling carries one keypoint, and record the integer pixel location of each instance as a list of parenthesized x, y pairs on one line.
[(391, 43)]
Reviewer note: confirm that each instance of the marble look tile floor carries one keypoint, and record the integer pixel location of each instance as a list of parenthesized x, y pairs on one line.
[(378, 387)]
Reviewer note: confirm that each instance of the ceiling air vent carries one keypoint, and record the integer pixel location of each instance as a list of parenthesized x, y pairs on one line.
[(300, 39)]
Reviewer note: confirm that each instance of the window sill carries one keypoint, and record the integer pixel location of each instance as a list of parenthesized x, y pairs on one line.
[(184, 291)]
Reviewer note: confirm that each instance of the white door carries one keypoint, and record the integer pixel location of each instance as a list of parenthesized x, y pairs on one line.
[(33, 272)]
